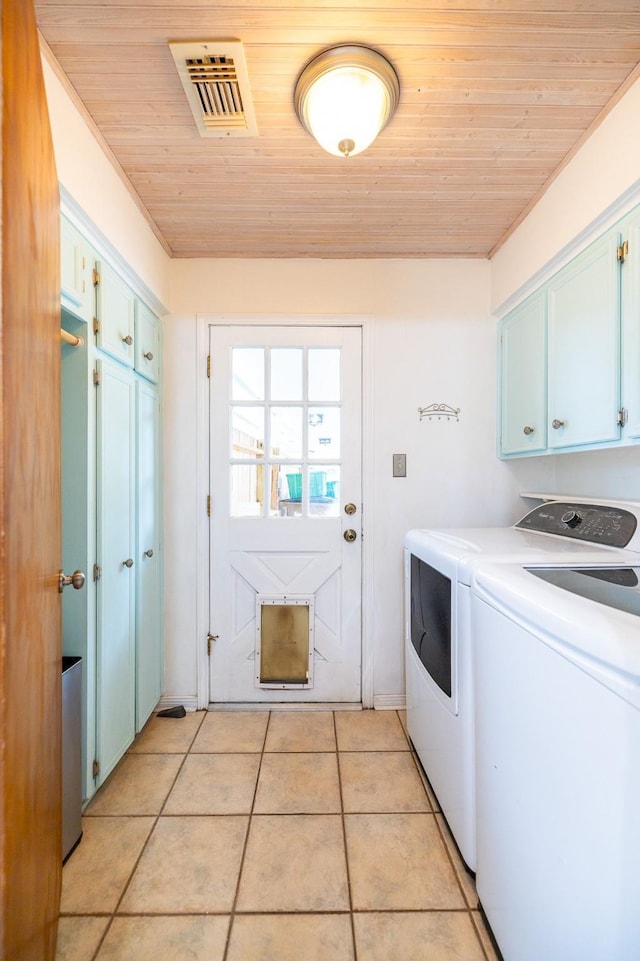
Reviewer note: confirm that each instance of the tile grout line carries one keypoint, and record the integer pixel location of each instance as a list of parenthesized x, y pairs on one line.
[(467, 907), (344, 840), (480, 938), (232, 913), (148, 838)]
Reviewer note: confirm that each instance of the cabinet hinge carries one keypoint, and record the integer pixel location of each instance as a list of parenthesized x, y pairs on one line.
[(208, 365), (96, 378), (210, 639), (623, 251), (96, 768), (208, 505), (97, 572), (96, 325), (623, 416), (95, 276)]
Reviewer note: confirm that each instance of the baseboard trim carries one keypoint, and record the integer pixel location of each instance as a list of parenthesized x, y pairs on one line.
[(190, 702), (389, 702), (281, 706)]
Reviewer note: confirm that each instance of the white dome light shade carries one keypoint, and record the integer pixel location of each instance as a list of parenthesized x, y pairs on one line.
[(345, 96)]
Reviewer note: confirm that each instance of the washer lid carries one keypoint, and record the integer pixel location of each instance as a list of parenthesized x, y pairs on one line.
[(617, 587), (600, 639)]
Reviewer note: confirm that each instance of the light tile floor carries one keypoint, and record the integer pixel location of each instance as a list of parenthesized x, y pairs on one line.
[(269, 836)]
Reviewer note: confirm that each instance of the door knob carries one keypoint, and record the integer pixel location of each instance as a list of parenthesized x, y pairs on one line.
[(350, 535), (556, 424), (527, 430), (350, 509), (75, 580), (149, 553), (128, 340), (128, 562), (148, 355)]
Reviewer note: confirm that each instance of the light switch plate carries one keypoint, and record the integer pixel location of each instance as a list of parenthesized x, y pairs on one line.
[(399, 465)]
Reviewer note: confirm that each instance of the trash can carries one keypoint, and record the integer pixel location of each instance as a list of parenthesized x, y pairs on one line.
[(71, 754)]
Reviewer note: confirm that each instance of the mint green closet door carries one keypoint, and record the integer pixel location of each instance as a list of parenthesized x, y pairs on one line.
[(115, 664), (148, 559)]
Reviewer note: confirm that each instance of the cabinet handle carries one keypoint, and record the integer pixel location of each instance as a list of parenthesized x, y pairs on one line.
[(528, 430), (148, 355), (149, 553), (556, 424), (128, 562), (128, 340)]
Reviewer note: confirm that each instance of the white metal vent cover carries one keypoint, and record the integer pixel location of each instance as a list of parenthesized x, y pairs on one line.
[(214, 76)]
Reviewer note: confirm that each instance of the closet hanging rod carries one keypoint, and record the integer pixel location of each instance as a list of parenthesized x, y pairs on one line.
[(70, 338)]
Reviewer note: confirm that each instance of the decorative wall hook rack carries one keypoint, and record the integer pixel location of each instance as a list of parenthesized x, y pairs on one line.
[(439, 411)]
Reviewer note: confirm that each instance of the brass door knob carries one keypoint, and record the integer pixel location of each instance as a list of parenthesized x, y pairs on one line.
[(148, 355), (350, 535), (75, 580), (350, 509)]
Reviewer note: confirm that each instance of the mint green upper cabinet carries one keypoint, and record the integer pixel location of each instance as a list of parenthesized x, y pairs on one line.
[(76, 272), (583, 311), (147, 342), (631, 327), (561, 350), (523, 378), (115, 316)]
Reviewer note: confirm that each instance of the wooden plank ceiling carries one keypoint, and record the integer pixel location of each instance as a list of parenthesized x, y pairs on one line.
[(495, 94)]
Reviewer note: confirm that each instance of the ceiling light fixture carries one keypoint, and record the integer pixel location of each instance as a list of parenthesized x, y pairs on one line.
[(345, 96)]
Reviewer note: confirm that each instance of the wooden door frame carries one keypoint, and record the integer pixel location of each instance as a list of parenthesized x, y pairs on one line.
[(203, 322)]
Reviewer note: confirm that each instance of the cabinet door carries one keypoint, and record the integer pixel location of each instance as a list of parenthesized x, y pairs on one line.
[(148, 560), (76, 269), (584, 348), (115, 315), (147, 342), (115, 661), (631, 327), (523, 378)]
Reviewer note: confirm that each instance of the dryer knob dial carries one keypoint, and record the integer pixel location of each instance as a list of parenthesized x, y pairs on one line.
[(571, 518)]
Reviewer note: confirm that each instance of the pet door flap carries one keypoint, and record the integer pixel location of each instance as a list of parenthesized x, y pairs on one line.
[(284, 641)]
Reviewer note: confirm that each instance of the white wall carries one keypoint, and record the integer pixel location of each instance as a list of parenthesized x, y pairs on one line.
[(602, 175), (432, 340), (92, 182)]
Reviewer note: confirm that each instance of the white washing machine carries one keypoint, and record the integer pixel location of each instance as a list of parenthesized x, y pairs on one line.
[(557, 670), (439, 635)]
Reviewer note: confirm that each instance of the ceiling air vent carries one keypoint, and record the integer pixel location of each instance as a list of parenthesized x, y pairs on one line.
[(214, 76)]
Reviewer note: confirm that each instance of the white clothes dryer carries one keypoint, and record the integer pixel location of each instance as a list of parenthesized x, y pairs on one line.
[(439, 633)]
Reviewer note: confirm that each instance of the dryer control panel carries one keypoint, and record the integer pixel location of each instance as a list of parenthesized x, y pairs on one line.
[(595, 523)]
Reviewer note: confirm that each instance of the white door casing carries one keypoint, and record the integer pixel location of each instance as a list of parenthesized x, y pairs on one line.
[(267, 543)]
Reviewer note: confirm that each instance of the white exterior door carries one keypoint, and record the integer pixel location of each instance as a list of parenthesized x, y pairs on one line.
[(285, 463)]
